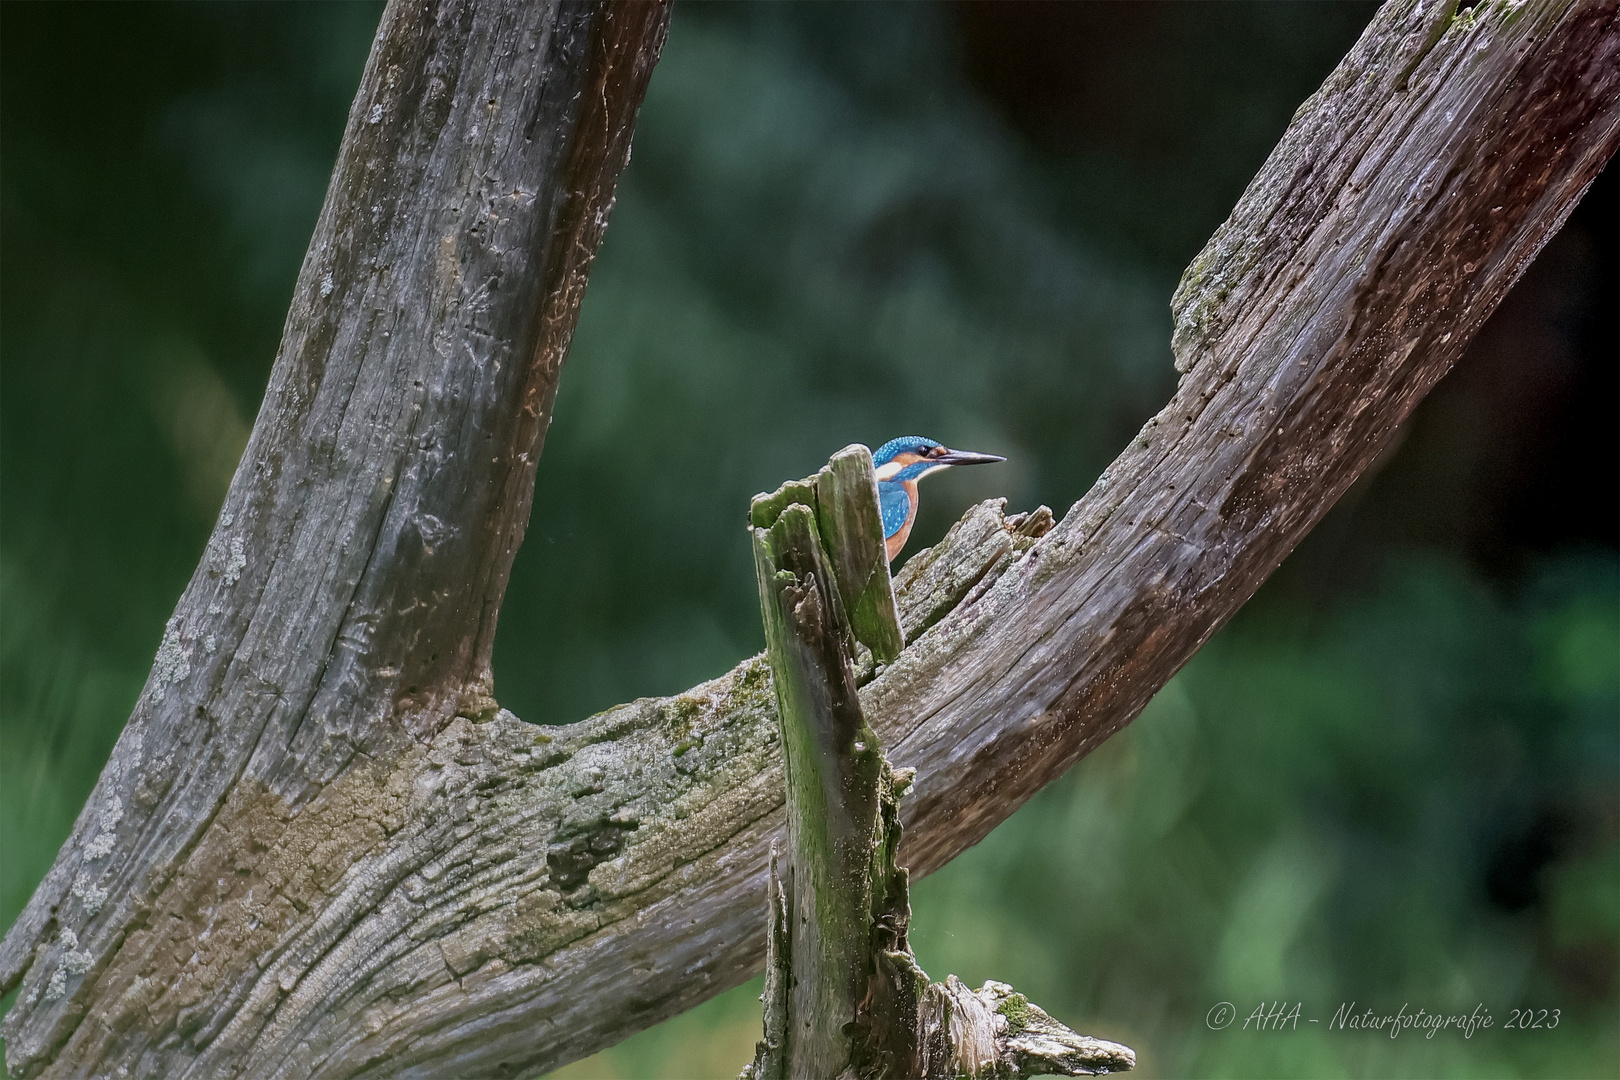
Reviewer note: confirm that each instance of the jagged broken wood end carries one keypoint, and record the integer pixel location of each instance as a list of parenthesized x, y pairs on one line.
[(843, 499), (995, 1031), (992, 1032)]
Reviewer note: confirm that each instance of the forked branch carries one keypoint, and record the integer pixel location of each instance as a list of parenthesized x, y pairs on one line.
[(320, 849)]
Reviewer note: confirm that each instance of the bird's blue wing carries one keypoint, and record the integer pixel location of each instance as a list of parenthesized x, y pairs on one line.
[(895, 505)]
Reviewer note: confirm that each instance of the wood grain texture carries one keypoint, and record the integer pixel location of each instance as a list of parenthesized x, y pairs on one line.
[(835, 777), (347, 602), (319, 849), (1405, 199), (844, 994)]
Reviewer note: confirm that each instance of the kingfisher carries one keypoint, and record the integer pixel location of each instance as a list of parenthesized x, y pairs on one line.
[(900, 464)]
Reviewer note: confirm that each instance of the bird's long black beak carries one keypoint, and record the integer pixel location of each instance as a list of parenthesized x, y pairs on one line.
[(965, 457)]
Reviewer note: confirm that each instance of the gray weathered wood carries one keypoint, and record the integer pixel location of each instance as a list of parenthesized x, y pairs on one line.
[(995, 1032), (320, 850), (834, 776), (346, 605), (844, 994), (770, 1055), (1407, 196), (848, 516)]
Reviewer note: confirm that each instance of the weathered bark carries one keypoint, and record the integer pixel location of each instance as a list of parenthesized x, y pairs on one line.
[(995, 1031), (345, 608), (835, 776), (844, 995), (319, 850)]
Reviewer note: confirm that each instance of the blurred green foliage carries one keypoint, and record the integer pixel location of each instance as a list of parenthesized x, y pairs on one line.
[(1391, 781)]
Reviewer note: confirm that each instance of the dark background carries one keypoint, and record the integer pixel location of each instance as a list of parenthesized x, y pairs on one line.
[(1392, 780)]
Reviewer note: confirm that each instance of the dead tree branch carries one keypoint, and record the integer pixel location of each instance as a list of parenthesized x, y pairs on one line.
[(320, 850), (346, 605), (844, 994)]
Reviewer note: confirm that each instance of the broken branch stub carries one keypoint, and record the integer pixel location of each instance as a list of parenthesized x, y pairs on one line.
[(852, 525), (844, 996), (833, 772), (843, 500)]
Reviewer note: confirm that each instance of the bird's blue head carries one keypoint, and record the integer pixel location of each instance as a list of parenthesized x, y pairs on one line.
[(912, 457), (900, 463)]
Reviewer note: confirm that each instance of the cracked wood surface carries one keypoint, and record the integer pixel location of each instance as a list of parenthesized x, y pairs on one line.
[(319, 849), (345, 607), (844, 994)]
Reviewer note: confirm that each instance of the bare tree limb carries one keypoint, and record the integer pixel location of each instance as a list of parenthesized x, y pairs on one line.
[(850, 990), (995, 1031), (844, 994), (318, 848), (347, 602), (1405, 199)]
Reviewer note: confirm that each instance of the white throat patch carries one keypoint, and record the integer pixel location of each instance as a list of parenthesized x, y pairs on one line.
[(892, 469)]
